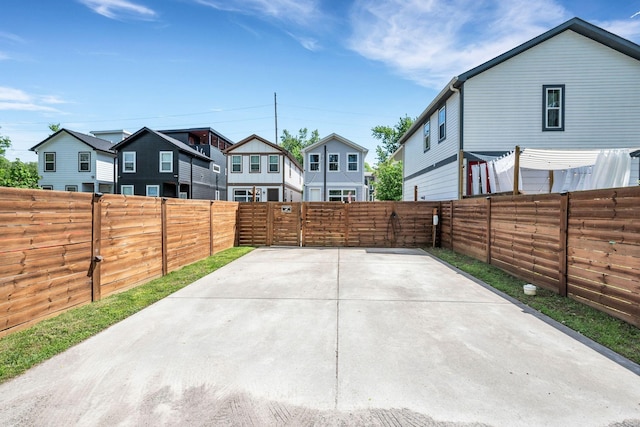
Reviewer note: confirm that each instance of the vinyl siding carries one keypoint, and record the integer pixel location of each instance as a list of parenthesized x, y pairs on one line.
[(433, 184), (104, 167), (503, 106), (67, 148), (341, 179), (438, 184)]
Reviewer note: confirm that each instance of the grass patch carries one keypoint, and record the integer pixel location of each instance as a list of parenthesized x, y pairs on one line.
[(602, 328), (23, 349)]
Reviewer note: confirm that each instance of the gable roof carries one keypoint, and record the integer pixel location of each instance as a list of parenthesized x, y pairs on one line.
[(264, 141), (178, 144), (97, 144), (337, 138), (577, 25)]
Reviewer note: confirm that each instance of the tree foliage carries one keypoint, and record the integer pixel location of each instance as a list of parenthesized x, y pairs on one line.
[(54, 127), (389, 136), (388, 181), (16, 173), (295, 144)]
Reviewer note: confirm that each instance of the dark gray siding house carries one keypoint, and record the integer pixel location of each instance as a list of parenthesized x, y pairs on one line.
[(211, 143), (150, 163)]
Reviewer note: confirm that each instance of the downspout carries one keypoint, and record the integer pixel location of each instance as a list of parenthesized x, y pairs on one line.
[(190, 180), (115, 174), (326, 162), (460, 137), (284, 197)]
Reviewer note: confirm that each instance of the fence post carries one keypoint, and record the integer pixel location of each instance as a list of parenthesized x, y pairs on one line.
[(488, 260), (451, 223), (96, 258), (270, 216), (211, 248), (563, 253), (346, 223), (164, 235)]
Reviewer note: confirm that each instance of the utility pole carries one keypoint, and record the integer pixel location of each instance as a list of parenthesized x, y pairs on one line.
[(275, 110)]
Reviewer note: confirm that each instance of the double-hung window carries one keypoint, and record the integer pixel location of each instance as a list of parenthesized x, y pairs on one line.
[(442, 123), (352, 162), (274, 163), (126, 190), (84, 161), (426, 136), (344, 195), (334, 162), (128, 161), (49, 162), (166, 161), (553, 107), (314, 162), (236, 163), (254, 163)]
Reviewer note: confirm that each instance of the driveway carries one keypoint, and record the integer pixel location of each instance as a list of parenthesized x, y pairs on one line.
[(304, 336)]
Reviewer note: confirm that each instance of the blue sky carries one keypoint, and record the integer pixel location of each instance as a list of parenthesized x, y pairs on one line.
[(337, 66)]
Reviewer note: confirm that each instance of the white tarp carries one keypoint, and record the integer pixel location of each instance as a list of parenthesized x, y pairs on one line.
[(573, 170)]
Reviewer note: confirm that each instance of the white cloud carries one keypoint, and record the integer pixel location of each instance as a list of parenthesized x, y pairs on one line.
[(628, 28), (11, 37), (300, 12), (117, 9), (430, 41), (18, 100)]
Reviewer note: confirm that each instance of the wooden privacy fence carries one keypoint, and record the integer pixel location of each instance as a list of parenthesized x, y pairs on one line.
[(585, 245), (360, 224), (63, 249)]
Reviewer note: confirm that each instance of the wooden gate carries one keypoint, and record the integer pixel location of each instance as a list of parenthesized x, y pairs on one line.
[(334, 224)]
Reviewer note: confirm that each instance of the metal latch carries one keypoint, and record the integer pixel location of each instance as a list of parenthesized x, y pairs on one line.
[(94, 261)]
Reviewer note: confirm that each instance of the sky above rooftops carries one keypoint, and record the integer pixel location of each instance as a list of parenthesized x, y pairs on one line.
[(336, 66)]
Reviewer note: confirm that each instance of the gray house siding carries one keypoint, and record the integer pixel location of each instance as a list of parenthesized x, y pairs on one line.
[(335, 155)]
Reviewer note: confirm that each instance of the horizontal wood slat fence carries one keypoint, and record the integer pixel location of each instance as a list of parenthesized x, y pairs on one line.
[(585, 245), (62, 249), (360, 224)]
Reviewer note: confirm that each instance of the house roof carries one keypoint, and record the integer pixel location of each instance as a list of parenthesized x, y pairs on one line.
[(263, 140), (577, 25), (178, 144), (338, 138), (97, 144)]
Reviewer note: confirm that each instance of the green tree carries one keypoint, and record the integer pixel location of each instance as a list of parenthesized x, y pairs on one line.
[(16, 173), (389, 136), (295, 144), (388, 182), (54, 127)]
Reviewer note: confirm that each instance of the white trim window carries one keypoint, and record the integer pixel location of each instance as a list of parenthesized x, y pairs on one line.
[(245, 195), (153, 191), (345, 195), (183, 195), (166, 161), (84, 161), (442, 123), (236, 163), (72, 188), (334, 162), (254, 163), (129, 161), (553, 108), (426, 132), (50, 162), (352, 162), (47, 187), (314, 162), (274, 163), (126, 190)]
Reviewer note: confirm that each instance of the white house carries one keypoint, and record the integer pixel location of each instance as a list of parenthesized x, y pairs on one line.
[(575, 87), (261, 171), (334, 171), (73, 161)]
